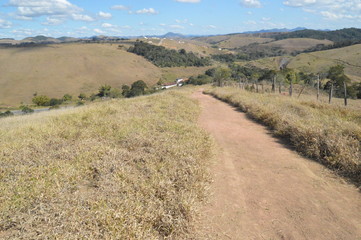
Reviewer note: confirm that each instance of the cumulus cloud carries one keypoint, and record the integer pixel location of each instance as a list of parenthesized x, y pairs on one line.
[(60, 9), (107, 25), (119, 7), (104, 15), (150, 11), (5, 24), (251, 3), (188, 1), (99, 31), (329, 9)]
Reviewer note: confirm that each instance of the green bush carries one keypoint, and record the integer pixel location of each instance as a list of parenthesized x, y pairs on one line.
[(41, 100)]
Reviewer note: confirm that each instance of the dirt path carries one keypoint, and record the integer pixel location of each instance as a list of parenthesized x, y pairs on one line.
[(262, 190)]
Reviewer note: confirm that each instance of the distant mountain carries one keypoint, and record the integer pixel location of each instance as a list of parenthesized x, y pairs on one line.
[(41, 39), (68, 39), (275, 30)]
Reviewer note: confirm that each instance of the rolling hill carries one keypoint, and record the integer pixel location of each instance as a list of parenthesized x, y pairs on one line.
[(55, 70), (319, 61)]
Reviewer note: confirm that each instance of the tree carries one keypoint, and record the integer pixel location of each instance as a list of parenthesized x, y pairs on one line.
[(55, 102), (82, 96), (41, 100), (137, 89), (104, 91), (338, 80), (26, 109), (291, 78), (67, 97), (221, 75), (6, 114), (125, 90), (115, 93)]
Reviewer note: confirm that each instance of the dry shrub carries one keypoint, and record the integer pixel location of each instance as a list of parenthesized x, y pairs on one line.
[(329, 134), (123, 169)]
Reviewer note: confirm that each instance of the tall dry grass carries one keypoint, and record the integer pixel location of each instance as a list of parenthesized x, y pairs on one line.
[(123, 169), (329, 134)]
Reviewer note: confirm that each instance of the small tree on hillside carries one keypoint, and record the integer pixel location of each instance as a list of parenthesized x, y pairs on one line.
[(137, 89), (104, 91), (41, 100), (67, 98), (338, 79), (82, 96), (125, 90), (221, 75)]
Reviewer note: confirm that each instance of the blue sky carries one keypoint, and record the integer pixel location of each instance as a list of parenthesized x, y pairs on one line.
[(78, 18)]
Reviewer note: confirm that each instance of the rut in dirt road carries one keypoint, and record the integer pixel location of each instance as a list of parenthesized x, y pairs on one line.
[(263, 190)]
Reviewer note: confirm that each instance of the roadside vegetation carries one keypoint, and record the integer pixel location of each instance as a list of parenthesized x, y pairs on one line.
[(122, 169), (329, 134)]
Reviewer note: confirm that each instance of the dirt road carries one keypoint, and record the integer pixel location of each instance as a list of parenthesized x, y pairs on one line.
[(263, 190)]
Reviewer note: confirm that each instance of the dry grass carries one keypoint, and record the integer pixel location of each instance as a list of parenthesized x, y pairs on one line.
[(297, 44), (121, 169), (55, 70), (329, 134), (232, 40)]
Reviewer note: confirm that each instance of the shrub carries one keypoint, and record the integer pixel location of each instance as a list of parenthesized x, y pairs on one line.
[(26, 110), (67, 98), (41, 100)]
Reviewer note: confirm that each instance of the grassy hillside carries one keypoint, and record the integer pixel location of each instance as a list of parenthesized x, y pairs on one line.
[(316, 61), (319, 61), (121, 169), (327, 133), (345, 34), (297, 44), (70, 68), (232, 40)]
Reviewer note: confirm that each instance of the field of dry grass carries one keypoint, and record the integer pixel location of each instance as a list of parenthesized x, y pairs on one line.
[(120, 169), (55, 70), (297, 44), (233, 40), (319, 61), (327, 133)]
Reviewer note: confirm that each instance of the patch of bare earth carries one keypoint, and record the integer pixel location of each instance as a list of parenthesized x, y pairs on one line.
[(263, 190)]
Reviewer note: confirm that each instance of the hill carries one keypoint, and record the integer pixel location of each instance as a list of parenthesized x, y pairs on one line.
[(346, 34), (55, 70), (297, 44), (232, 40), (319, 61)]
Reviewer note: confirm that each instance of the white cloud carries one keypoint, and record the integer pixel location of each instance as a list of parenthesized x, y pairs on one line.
[(329, 9), (251, 3), (107, 25), (212, 26), (5, 24), (188, 1), (150, 11), (56, 9), (119, 7), (53, 21), (81, 17), (104, 15), (176, 26), (99, 31)]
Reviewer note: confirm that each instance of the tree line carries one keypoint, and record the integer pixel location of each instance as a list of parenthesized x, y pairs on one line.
[(163, 57), (333, 81), (106, 91)]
